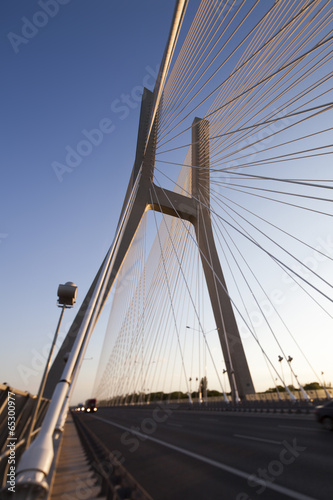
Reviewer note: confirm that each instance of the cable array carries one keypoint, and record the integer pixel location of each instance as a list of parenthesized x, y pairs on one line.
[(147, 347), (261, 74)]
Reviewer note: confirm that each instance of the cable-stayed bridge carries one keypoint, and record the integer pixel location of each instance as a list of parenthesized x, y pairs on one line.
[(239, 200), (221, 266)]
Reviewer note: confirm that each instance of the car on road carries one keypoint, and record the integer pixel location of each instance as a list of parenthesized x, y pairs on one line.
[(90, 405), (324, 415)]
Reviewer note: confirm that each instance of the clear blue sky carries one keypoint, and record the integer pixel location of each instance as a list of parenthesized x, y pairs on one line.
[(81, 69)]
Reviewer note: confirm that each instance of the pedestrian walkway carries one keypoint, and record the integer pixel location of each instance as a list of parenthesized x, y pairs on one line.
[(73, 477)]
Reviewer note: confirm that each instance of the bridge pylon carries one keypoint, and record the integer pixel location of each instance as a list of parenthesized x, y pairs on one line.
[(143, 195), (234, 356)]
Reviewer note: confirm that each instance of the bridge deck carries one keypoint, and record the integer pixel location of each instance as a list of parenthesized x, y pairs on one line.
[(73, 476)]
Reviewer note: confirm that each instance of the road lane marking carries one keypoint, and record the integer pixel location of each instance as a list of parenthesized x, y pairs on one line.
[(258, 439), (227, 468)]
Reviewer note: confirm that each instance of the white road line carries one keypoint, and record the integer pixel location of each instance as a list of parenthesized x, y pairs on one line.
[(258, 439), (214, 463)]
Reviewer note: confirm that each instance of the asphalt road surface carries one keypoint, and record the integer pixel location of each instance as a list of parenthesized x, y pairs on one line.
[(193, 455)]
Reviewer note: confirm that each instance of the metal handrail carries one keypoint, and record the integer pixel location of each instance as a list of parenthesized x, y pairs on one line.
[(97, 453), (18, 445)]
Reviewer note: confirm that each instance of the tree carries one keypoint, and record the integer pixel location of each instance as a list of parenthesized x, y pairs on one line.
[(312, 386), (273, 389)]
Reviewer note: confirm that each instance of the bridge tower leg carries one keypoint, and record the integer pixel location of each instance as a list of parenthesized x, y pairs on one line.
[(236, 364), (143, 195)]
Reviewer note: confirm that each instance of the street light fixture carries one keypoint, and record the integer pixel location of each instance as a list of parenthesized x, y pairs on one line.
[(205, 362), (289, 360), (304, 394), (66, 299)]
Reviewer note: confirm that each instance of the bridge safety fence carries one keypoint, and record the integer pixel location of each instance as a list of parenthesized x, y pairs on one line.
[(115, 481), (284, 406), (16, 409)]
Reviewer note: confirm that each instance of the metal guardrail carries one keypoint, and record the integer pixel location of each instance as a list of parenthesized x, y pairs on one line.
[(299, 406), (116, 482), (258, 407), (22, 409)]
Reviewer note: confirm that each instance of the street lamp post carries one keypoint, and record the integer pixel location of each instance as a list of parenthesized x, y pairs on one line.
[(190, 393), (66, 299), (291, 395), (304, 394), (324, 387), (280, 358), (289, 360), (205, 362), (277, 389)]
